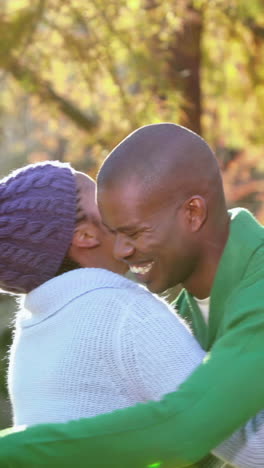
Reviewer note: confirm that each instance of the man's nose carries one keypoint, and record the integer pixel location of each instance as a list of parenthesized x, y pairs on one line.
[(123, 247)]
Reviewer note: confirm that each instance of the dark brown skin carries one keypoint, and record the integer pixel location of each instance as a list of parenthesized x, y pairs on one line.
[(92, 243), (160, 191)]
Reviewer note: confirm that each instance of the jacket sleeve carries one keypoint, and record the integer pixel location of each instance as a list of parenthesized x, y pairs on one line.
[(221, 395)]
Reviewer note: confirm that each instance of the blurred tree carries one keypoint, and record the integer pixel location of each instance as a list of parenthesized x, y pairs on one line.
[(94, 72)]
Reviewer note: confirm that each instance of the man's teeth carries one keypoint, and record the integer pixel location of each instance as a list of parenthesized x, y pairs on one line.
[(142, 270)]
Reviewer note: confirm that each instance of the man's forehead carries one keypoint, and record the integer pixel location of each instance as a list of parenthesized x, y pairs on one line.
[(120, 191), (139, 213)]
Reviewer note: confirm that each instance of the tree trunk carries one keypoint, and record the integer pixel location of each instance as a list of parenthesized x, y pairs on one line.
[(184, 67)]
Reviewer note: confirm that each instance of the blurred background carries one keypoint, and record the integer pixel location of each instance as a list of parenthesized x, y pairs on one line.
[(77, 76)]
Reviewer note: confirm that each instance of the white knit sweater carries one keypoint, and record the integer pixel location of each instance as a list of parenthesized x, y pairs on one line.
[(90, 341)]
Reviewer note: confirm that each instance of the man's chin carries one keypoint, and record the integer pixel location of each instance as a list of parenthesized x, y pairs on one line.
[(155, 288)]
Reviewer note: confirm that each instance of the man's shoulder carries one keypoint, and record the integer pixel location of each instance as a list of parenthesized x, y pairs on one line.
[(246, 228)]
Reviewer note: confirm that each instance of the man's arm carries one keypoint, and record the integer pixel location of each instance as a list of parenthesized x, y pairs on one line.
[(225, 391)]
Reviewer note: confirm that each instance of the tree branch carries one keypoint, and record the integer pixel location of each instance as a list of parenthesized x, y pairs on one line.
[(43, 89)]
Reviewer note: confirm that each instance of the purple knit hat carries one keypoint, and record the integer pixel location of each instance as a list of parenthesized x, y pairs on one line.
[(37, 220)]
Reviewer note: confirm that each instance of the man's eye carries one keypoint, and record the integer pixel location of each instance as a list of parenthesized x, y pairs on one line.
[(133, 235), (112, 231)]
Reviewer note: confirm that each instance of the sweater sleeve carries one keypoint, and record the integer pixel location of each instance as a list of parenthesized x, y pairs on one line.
[(245, 448), (157, 350)]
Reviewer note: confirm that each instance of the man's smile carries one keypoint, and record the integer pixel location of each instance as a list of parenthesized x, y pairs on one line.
[(141, 269)]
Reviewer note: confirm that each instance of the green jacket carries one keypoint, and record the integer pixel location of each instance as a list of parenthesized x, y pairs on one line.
[(221, 395)]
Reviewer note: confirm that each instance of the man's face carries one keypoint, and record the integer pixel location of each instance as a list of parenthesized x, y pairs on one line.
[(151, 234)]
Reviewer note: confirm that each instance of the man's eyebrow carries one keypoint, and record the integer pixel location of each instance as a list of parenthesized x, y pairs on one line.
[(128, 227), (131, 229)]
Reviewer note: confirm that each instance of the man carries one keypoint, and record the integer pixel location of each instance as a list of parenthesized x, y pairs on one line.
[(160, 191)]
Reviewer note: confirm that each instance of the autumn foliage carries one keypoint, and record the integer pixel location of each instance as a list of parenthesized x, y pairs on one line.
[(77, 76)]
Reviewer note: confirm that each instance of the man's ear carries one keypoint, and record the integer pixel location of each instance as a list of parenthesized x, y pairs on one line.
[(195, 212), (86, 235)]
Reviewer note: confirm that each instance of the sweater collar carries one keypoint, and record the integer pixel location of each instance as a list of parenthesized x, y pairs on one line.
[(59, 291)]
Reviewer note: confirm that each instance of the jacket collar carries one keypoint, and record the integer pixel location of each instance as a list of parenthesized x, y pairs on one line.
[(245, 236)]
